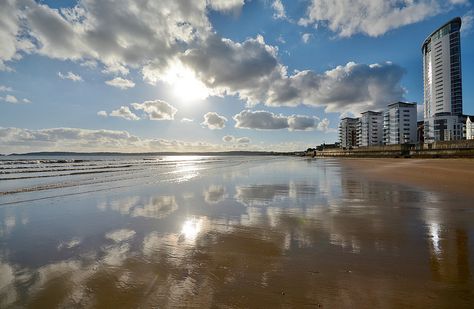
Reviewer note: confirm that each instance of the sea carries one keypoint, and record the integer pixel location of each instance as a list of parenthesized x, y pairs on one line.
[(148, 231)]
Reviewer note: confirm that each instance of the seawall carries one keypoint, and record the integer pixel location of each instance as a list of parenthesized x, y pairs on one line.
[(448, 149)]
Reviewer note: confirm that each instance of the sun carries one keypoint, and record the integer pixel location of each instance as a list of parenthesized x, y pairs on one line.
[(185, 85)]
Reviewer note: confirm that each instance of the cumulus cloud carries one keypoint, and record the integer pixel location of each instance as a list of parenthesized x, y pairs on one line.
[(71, 76), (374, 17), (157, 109), (214, 121), (279, 10), (75, 139), (243, 140), (26, 101), (102, 113), (263, 120), (5, 88), (10, 29), (158, 37), (323, 125), (121, 83), (10, 99), (467, 23), (228, 138), (187, 120), (226, 5), (306, 37), (251, 71), (125, 113)]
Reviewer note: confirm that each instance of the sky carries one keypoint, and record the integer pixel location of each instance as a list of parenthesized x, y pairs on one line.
[(209, 75)]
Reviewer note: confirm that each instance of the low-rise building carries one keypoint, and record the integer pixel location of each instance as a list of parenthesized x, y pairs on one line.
[(469, 127), (399, 124)]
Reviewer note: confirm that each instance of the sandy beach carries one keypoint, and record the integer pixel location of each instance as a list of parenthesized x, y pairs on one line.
[(237, 232), (450, 176)]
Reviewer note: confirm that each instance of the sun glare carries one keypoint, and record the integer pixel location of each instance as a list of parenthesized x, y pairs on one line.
[(186, 86), (191, 229)]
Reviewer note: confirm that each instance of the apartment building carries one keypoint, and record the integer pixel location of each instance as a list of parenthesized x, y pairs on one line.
[(399, 124)]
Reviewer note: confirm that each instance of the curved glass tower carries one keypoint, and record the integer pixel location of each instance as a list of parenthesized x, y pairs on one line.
[(443, 83)]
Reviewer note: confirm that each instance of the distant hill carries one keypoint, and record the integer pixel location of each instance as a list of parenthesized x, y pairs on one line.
[(220, 153)]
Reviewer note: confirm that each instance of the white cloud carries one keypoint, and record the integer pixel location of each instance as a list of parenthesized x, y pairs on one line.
[(374, 17), (26, 101), (263, 120), (116, 68), (121, 36), (323, 125), (91, 64), (187, 120), (121, 83), (214, 121), (75, 139), (228, 139), (467, 23), (5, 89), (302, 123), (281, 39), (306, 37), (10, 28), (240, 141), (279, 10), (226, 5), (243, 140), (157, 109), (70, 76), (125, 113), (102, 113), (10, 99), (251, 71)]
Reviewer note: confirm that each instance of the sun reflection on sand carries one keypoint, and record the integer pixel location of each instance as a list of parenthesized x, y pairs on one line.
[(191, 229)]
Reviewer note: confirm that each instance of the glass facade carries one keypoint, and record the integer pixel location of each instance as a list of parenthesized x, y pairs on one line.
[(442, 81)]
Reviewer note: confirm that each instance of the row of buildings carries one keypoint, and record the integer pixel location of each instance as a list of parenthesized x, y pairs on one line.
[(396, 125), (443, 113)]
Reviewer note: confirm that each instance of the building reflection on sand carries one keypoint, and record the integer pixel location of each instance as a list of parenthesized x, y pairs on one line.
[(325, 236)]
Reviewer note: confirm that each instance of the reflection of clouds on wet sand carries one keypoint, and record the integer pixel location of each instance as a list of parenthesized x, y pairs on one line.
[(261, 195), (120, 235), (321, 240), (9, 221), (214, 194), (74, 242), (157, 207), (8, 293)]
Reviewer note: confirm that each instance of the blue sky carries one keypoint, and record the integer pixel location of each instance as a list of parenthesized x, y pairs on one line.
[(209, 75)]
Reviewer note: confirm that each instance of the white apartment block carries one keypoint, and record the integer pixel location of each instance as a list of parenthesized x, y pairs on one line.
[(348, 132), (470, 127), (442, 82), (370, 129), (399, 124)]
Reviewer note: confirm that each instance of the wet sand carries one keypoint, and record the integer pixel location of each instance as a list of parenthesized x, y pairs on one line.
[(449, 176), (244, 233)]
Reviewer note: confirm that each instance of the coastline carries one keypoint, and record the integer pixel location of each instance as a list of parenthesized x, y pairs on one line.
[(450, 176)]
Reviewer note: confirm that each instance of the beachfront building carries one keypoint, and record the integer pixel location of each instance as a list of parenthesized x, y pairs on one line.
[(470, 127), (442, 83), (370, 129), (347, 133), (399, 124)]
